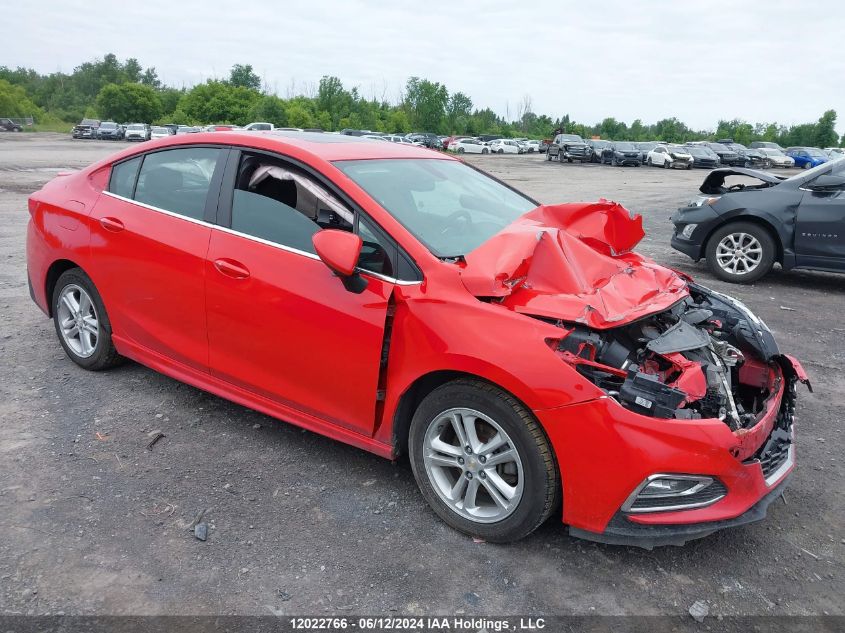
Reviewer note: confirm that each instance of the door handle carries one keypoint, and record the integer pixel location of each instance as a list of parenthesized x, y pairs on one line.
[(231, 268), (111, 224)]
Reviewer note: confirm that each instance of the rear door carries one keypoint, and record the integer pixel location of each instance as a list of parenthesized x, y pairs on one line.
[(280, 323), (150, 234), (820, 227)]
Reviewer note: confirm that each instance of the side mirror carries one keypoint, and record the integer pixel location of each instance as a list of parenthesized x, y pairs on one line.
[(340, 251), (828, 182)]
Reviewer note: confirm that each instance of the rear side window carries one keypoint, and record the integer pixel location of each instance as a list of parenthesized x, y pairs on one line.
[(177, 180), (122, 182)]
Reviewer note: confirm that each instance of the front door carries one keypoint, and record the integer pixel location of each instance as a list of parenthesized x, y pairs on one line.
[(820, 229), (280, 323)]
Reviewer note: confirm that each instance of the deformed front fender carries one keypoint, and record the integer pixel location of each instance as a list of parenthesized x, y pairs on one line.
[(480, 339)]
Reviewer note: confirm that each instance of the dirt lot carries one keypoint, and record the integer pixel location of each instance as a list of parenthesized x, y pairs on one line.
[(92, 522)]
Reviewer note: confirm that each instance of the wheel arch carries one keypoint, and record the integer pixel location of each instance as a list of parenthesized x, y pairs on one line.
[(52, 277), (416, 393), (762, 222)]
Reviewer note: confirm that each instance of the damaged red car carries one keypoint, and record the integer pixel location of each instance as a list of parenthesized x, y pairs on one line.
[(526, 360)]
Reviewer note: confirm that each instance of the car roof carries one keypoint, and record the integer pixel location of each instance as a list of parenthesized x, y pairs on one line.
[(328, 147)]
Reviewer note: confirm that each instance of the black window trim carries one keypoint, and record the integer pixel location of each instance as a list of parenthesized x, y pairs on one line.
[(223, 219)]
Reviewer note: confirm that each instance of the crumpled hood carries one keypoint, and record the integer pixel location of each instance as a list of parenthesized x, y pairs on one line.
[(573, 262)]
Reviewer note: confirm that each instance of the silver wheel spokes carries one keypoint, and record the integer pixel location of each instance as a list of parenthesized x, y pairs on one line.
[(78, 322), (473, 465), (739, 253)]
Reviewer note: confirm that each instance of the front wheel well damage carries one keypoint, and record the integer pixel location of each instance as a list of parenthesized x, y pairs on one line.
[(416, 393), (53, 273), (751, 219)]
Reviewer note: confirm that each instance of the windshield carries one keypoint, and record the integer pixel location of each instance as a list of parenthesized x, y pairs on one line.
[(816, 153), (771, 152), (135, 126), (570, 137), (449, 206), (625, 147), (677, 149), (108, 126)]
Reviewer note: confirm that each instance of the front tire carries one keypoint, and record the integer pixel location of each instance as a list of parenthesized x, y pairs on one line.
[(81, 322), (482, 461), (740, 252)]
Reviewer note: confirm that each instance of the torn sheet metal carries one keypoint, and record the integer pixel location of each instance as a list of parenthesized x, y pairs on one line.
[(573, 262)]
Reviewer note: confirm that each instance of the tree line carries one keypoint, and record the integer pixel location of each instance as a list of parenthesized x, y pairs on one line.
[(127, 92)]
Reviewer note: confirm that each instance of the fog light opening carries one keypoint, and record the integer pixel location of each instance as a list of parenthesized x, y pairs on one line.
[(666, 492)]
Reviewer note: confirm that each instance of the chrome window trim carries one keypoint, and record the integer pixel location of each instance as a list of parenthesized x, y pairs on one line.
[(705, 481), (282, 247)]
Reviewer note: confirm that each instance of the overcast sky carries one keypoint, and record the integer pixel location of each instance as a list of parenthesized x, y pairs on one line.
[(757, 60)]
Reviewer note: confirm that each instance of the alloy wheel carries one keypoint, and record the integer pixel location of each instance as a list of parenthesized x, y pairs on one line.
[(78, 321), (739, 253), (473, 465)]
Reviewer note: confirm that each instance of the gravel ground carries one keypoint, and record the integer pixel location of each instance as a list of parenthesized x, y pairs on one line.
[(93, 522)]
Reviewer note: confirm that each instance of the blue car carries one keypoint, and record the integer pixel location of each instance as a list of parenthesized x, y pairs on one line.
[(807, 157)]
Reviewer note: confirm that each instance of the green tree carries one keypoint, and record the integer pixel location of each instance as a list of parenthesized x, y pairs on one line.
[(218, 102), (15, 102), (333, 99), (242, 76), (271, 109), (150, 78), (299, 116), (129, 102), (458, 112), (825, 133), (426, 102)]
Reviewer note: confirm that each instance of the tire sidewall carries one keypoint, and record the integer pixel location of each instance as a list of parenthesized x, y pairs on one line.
[(530, 512), (102, 349)]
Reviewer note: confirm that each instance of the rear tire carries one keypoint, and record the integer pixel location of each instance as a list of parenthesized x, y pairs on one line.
[(525, 468), (82, 323), (740, 252)]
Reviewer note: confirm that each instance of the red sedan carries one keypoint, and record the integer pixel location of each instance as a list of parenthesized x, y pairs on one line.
[(397, 299)]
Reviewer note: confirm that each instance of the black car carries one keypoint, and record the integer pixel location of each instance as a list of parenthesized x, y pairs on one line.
[(622, 153), (748, 157), (427, 139), (569, 147), (7, 125), (87, 128), (726, 155), (703, 156), (597, 147), (109, 130), (744, 227)]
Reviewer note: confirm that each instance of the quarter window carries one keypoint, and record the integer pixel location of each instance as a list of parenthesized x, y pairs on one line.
[(123, 176), (177, 180)]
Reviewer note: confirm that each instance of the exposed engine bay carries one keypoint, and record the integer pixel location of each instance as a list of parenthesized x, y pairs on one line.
[(705, 357)]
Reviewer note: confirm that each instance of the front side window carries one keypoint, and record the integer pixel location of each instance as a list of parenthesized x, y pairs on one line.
[(450, 207), (280, 203), (177, 180)]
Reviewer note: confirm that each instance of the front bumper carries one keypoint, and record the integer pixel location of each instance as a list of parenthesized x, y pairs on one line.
[(704, 217), (620, 531), (606, 451)]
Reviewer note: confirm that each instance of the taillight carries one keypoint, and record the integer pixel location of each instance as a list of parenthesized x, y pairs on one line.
[(33, 205)]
